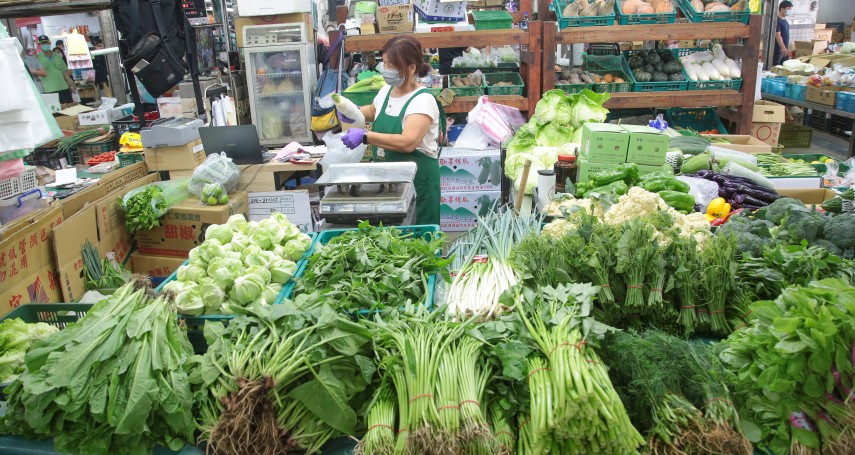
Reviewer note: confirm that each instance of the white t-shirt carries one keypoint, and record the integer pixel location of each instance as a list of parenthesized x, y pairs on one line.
[(422, 104)]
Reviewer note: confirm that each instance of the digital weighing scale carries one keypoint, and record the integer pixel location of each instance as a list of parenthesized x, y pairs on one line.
[(373, 192)]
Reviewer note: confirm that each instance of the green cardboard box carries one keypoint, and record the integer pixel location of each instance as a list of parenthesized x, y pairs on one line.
[(604, 143), (585, 168), (647, 145)]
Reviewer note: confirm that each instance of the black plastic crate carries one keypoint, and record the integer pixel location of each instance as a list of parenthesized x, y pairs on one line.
[(818, 121), (838, 126), (123, 125), (45, 156)]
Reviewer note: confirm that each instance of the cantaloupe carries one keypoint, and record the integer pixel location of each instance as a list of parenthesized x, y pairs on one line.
[(630, 7), (698, 5), (716, 7), (645, 9), (664, 6)]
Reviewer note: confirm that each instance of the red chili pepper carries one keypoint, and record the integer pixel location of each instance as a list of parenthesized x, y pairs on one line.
[(718, 221)]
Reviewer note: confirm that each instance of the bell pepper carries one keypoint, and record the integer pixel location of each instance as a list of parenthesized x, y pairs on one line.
[(709, 217), (719, 208), (657, 184), (627, 172), (614, 189), (583, 188), (681, 202)]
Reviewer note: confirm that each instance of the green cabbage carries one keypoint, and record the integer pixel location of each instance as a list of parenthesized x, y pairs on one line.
[(274, 230), (190, 273), (209, 250), (189, 302), (554, 135), (238, 223), (587, 107), (262, 239), (554, 106), (294, 249), (247, 288), (271, 292), (261, 272), (281, 270), (260, 258), (221, 232), (213, 296), (514, 164), (225, 270)]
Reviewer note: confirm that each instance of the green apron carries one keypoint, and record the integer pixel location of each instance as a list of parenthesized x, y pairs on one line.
[(426, 181)]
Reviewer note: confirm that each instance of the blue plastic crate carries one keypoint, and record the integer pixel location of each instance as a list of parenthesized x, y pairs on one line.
[(325, 237), (846, 101), (775, 86), (794, 91)]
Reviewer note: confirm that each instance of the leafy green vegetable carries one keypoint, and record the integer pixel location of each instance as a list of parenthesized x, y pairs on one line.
[(145, 205), (16, 336)]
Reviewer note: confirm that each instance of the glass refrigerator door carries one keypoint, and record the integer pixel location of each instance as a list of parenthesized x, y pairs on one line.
[(280, 94)]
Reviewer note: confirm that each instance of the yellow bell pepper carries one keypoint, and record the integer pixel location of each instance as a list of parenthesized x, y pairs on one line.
[(718, 208), (709, 217)]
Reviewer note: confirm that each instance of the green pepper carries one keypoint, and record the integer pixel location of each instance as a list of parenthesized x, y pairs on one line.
[(627, 172), (661, 183), (681, 202), (583, 188), (613, 189)]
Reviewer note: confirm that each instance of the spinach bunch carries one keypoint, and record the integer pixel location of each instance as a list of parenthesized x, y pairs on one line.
[(113, 383), (374, 268), (145, 205)]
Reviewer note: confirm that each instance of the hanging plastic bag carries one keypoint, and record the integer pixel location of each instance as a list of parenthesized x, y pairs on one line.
[(145, 205), (217, 168), (338, 153), (497, 121)]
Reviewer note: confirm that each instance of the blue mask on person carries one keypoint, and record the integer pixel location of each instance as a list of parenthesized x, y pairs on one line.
[(393, 78), (46, 47)]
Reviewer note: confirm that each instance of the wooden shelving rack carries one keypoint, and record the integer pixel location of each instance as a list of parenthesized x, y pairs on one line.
[(531, 60)]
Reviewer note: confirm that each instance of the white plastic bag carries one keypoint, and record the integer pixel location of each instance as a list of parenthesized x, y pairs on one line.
[(703, 190), (497, 121), (217, 168), (338, 153), (472, 137)]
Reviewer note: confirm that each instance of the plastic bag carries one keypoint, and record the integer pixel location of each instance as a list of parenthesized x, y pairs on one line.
[(338, 153), (849, 177), (703, 190), (217, 168), (497, 122), (144, 206), (831, 178)]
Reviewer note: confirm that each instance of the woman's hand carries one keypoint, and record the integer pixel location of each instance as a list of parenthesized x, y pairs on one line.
[(353, 138)]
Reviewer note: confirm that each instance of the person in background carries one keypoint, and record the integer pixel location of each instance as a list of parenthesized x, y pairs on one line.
[(35, 68), (56, 78), (99, 63), (406, 120), (59, 47), (447, 56), (782, 38)]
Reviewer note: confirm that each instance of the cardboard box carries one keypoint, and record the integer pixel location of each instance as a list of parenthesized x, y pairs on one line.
[(586, 168), (67, 119), (182, 157), (251, 181), (105, 116), (740, 143), (395, 19), (161, 266), (823, 34), (265, 7), (113, 181), (101, 222), (27, 265), (295, 205), (809, 196), (647, 145), (459, 212), (766, 121), (447, 10), (804, 48), (244, 21), (170, 106), (183, 228), (604, 143), (827, 96), (783, 183), (442, 27), (463, 169)]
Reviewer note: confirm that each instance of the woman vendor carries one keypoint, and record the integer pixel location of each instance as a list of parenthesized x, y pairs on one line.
[(407, 123)]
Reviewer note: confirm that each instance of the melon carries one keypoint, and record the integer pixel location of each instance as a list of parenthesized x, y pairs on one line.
[(645, 9)]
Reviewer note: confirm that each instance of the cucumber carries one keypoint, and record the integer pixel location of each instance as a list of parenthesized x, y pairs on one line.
[(695, 163), (689, 145)]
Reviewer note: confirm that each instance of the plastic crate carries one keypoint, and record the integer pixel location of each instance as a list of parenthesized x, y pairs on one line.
[(846, 101), (702, 16), (775, 86), (571, 89), (817, 120), (56, 314), (466, 91), (795, 136), (20, 183), (698, 119), (579, 21), (808, 157), (777, 149), (123, 125), (127, 159), (46, 156), (499, 68), (838, 126), (794, 92), (633, 19), (87, 150), (732, 84), (614, 86), (492, 20), (668, 86), (514, 78), (361, 98), (422, 231)]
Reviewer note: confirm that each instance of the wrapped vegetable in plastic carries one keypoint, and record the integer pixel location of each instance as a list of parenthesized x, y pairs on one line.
[(218, 169)]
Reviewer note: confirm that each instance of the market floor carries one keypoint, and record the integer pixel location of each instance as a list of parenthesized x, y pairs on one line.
[(824, 143)]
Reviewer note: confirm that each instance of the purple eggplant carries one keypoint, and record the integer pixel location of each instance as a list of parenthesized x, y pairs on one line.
[(747, 200), (765, 196)]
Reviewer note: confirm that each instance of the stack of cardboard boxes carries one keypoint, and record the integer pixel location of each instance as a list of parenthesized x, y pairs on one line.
[(606, 146), (470, 184)]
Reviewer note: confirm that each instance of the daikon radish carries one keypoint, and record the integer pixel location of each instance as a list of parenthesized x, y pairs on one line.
[(690, 71), (348, 109), (718, 52), (735, 72), (702, 72), (711, 71), (721, 67)]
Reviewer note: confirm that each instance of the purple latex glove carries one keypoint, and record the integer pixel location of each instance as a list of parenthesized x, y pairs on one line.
[(353, 137), (345, 119)]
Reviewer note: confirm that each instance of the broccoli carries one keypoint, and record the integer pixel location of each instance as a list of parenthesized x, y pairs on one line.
[(828, 245), (840, 230), (800, 225), (776, 211), (747, 242), (762, 228)]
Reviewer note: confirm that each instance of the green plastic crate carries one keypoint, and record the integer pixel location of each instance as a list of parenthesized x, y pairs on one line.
[(127, 159), (808, 157), (579, 21), (633, 19), (492, 20), (514, 78), (513, 67), (795, 136), (733, 84), (87, 150), (571, 89), (361, 98), (423, 231), (56, 314), (698, 119), (702, 16), (667, 86), (466, 91)]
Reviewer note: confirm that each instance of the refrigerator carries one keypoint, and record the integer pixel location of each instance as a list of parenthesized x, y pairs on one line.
[(281, 72)]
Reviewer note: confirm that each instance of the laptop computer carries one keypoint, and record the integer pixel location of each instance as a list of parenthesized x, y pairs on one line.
[(240, 143)]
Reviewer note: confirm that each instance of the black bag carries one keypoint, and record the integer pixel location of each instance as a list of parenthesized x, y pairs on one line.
[(158, 45)]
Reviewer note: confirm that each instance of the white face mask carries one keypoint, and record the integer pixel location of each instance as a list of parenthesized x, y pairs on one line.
[(789, 12)]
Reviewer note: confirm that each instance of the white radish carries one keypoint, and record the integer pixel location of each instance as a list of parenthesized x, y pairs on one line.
[(711, 71), (349, 110), (702, 73), (735, 72), (721, 67), (718, 52), (690, 71)]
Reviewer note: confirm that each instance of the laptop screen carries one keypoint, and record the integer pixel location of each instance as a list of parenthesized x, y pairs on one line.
[(240, 143)]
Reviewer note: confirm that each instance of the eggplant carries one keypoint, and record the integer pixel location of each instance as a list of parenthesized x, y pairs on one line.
[(724, 192), (736, 188), (704, 174), (747, 200)]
